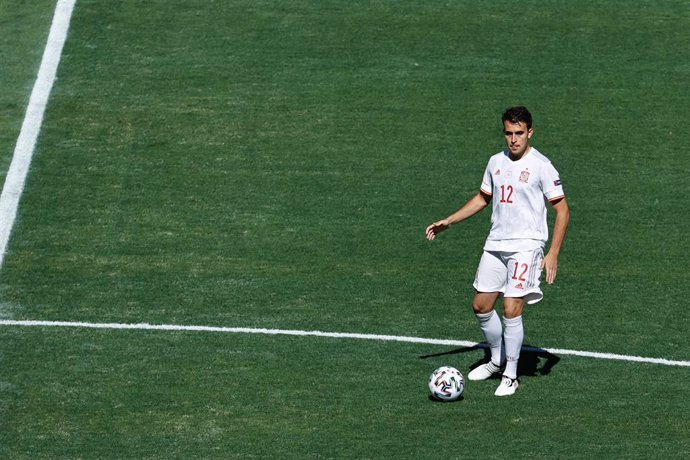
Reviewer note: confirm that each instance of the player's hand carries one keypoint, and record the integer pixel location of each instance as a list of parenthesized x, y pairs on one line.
[(550, 264), (436, 228)]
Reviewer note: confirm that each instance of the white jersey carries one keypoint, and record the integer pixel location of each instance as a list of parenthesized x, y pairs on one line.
[(519, 191)]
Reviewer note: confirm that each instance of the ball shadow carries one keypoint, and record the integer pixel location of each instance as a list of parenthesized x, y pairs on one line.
[(442, 401)]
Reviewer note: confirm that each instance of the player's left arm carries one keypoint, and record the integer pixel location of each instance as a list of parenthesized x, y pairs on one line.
[(550, 262)]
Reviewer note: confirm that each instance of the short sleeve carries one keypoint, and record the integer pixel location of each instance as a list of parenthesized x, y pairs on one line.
[(551, 183), (487, 186)]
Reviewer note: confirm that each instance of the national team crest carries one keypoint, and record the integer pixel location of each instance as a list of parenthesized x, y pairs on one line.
[(524, 176)]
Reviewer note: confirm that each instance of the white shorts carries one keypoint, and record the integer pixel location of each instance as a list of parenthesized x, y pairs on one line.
[(513, 274)]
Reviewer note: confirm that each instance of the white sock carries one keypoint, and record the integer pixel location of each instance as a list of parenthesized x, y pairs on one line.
[(490, 325), (513, 336)]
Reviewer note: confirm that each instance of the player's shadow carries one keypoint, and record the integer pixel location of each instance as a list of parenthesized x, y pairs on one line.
[(534, 361)]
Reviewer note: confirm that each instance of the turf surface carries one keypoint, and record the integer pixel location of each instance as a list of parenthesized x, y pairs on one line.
[(274, 164)]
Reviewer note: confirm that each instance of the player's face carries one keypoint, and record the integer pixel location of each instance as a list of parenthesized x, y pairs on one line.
[(517, 137)]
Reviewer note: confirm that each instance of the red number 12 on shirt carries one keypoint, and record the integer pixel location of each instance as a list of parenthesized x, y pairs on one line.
[(504, 198)]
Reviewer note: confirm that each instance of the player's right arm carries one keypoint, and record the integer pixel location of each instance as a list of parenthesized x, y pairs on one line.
[(472, 207)]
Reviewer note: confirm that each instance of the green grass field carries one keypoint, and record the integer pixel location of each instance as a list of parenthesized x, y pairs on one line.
[(273, 164)]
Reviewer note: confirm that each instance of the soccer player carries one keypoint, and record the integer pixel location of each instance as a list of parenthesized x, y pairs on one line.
[(518, 182)]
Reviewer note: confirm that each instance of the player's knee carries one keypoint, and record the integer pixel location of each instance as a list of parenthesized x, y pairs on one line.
[(512, 307), (482, 306)]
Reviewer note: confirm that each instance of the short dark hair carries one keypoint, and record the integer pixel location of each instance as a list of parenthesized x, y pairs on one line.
[(518, 114)]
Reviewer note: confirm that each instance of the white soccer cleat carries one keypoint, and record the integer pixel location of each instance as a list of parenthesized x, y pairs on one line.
[(507, 387), (484, 372)]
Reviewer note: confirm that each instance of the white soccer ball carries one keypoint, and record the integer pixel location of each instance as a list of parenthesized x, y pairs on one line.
[(446, 384)]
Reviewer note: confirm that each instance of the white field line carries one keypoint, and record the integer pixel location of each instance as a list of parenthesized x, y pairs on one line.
[(337, 335), (24, 149)]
